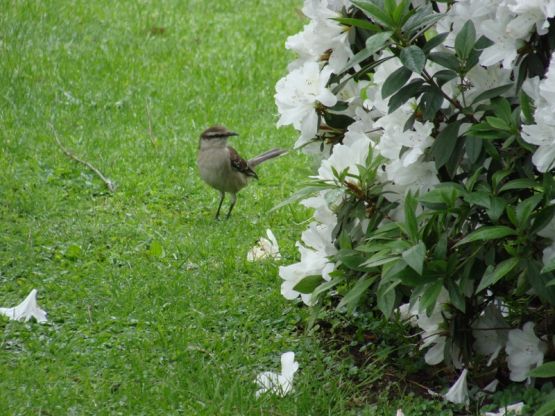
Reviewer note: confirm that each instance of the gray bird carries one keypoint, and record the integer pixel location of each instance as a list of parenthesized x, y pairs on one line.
[(221, 167)]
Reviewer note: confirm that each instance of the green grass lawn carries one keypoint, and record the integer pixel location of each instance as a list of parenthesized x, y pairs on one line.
[(153, 308)]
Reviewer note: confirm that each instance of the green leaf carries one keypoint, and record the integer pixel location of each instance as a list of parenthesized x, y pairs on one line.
[(412, 89), (444, 144), (325, 286), (464, 42), (338, 121), (444, 75), (423, 18), (493, 275), (522, 183), (373, 44), (496, 207), (363, 24), (456, 295), (430, 103), (494, 92), (410, 217), (547, 409), (352, 297), (308, 284), (379, 259), (546, 370), (352, 259), (473, 148), (395, 81), (527, 107), (539, 282), (374, 12), (542, 218), (413, 58), (434, 42), (487, 233), (445, 59), (429, 295), (525, 208), (401, 12), (415, 256), (498, 123), (386, 296)]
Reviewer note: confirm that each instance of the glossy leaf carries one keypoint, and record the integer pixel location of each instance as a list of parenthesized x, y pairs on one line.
[(308, 284), (413, 58), (487, 233), (373, 44), (395, 81), (546, 370), (352, 297), (493, 275), (415, 256), (465, 39), (445, 143), (491, 93), (409, 91)]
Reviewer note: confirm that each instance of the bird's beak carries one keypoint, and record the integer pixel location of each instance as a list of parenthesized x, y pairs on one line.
[(232, 133)]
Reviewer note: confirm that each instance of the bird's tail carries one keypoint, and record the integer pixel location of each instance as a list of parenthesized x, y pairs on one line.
[(270, 154)]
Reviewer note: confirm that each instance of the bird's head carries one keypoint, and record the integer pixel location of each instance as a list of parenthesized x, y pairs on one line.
[(217, 132)]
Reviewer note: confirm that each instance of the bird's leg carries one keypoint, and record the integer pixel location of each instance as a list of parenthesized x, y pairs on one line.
[(233, 200), (220, 205)]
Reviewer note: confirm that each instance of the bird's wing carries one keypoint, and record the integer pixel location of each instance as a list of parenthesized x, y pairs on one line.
[(240, 164)]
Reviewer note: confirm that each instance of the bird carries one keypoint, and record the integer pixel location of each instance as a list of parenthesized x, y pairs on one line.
[(221, 167)]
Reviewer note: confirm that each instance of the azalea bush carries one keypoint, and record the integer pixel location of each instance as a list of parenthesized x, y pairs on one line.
[(434, 122)]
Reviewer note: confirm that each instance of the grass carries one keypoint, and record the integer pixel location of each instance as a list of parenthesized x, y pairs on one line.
[(153, 308)]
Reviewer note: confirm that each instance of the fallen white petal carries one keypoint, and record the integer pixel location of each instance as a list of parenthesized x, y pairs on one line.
[(513, 409), (26, 310), (265, 248), (279, 384), (491, 387), (458, 393)]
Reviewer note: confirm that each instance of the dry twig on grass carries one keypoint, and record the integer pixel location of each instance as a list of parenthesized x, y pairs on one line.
[(109, 184)]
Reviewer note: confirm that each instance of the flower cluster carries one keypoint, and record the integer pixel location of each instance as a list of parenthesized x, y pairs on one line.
[(434, 123)]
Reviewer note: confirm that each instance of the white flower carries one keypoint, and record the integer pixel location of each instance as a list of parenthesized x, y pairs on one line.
[(481, 79), (417, 177), (265, 248), (548, 254), (524, 351), (321, 204), (542, 133), (346, 156), (405, 145), (314, 261), (512, 409), (320, 35), (279, 383), (475, 10), (535, 12), (432, 335), (458, 393), (297, 95), (26, 310), (506, 41), (407, 314), (399, 412), (488, 333)]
